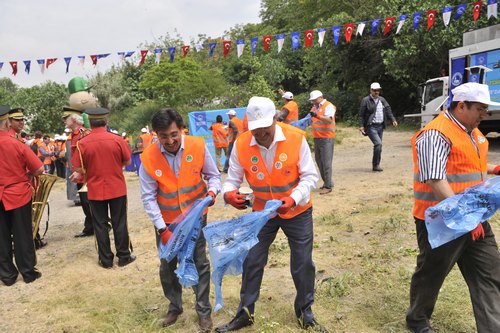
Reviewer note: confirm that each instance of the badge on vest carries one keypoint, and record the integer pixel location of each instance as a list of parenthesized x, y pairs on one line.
[(254, 169), (283, 157), (260, 176), (189, 158), (254, 159), (158, 173), (481, 139), (278, 165)]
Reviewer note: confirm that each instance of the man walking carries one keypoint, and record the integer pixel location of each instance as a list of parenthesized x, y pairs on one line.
[(235, 129), (373, 113), (219, 136)]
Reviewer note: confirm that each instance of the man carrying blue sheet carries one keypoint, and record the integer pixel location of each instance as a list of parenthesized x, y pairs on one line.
[(171, 177), (450, 154), (268, 157)]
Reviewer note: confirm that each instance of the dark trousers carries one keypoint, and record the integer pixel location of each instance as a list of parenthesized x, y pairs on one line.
[(88, 226), (60, 168), (323, 154), (118, 210), (375, 133), (16, 238), (479, 263), (299, 231), (229, 150), (171, 286)]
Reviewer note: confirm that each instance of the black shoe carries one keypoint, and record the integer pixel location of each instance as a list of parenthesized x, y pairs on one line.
[(126, 261), (425, 329), (39, 243), (377, 168), (84, 234), (106, 266), (235, 324), (9, 282), (314, 325), (32, 278), (77, 203)]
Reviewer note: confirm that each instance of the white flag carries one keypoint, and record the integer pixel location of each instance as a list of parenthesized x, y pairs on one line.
[(321, 36), (361, 27), (158, 55), (199, 47), (402, 20), (240, 45), (492, 8), (41, 63), (446, 16), (280, 38)]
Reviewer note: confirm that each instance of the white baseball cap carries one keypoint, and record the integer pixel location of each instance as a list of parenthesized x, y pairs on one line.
[(231, 113), (472, 92), (144, 130), (67, 130), (375, 86), (315, 94), (288, 95), (260, 112)]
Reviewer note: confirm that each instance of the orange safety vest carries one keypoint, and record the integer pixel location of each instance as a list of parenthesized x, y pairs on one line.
[(245, 123), (219, 134), (146, 141), (284, 176), (239, 125), (176, 194), (320, 130), (465, 168), (47, 159), (293, 112)]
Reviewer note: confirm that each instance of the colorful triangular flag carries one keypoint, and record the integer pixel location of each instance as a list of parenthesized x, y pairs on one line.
[(295, 40), (321, 36), (227, 47), (266, 40), (375, 26), (280, 38), (477, 10), (416, 20), (349, 28), (49, 62), (388, 25), (240, 46), (212, 48), (144, 54), (336, 34), (361, 27), (460, 11), (492, 8), (431, 17), (158, 55), (171, 52), (446, 15), (41, 63), (308, 38), (27, 66), (185, 50), (67, 60), (13, 64), (402, 20), (253, 43)]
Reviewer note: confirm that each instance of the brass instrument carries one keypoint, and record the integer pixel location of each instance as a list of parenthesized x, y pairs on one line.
[(42, 186)]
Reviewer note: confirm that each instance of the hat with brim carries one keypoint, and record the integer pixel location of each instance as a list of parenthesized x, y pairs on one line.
[(473, 92), (231, 113), (68, 111), (4, 112), (97, 113), (287, 95), (77, 84), (16, 114), (315, 94), (260, 112)]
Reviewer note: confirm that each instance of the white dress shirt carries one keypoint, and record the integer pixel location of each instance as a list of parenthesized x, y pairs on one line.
[(307, 170)]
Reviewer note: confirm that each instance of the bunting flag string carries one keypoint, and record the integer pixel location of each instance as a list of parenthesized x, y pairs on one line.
[(475, 8), (1, 66)]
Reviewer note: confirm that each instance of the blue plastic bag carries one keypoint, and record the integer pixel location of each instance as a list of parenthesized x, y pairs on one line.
[(457, 215), (302, 123), (186, 229), (229, 242)]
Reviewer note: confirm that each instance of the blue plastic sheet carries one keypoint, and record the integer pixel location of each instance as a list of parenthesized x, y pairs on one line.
[(229, 242), (302, 123), (457, 215), (185, 231)]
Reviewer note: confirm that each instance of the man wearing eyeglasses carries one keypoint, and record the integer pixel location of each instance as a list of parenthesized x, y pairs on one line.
[(373, 113), (450, 155)]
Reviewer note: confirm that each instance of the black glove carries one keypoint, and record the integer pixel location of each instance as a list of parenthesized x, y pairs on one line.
[(314, 114)]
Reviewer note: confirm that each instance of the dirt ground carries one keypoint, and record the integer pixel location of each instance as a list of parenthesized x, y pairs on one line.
[(364, 240)]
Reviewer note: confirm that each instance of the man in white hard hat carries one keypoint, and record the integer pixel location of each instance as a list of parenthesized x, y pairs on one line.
[(290, 111), (267, 154), (373, 113), (324, 133), (450, 155), (144, 139)]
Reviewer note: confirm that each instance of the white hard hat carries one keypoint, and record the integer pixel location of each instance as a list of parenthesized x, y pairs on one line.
[(472, 92), (260, 112), (375, 86), (231, 113), (315, 94), (288, 95), (144, 130), (124, 134), (67, 130)]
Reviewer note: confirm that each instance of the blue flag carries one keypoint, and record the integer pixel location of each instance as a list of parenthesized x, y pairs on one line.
[(253, 44), (460, 11), (416, 20), (336, 33), (67, 60), (212, 49), (375, 26), (171, 52), (295, 40), (27, 66)]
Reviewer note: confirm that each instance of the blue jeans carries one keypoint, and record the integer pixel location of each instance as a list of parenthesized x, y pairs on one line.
[(375, 132)]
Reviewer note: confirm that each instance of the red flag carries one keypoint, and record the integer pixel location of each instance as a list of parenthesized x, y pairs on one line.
[(267, 41), (227, 47), (49, 62), (94, 59), (388, 25), (477, 9), (144, 53), (308, 38), (431, 16), (349, 27), (185, 50), (13, 64)]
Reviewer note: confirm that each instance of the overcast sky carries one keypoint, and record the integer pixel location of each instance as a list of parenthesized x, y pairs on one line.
[(41, 29)]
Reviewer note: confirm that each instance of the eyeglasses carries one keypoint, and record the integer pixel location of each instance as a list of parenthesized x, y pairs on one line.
[(17, 119)]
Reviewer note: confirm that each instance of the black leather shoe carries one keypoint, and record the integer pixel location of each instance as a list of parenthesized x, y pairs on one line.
[(126, 261), (84, 234), (236, 324), (315, 326), (377, 168), (170, 318), (32, 278), (39, 243), (9, 282)]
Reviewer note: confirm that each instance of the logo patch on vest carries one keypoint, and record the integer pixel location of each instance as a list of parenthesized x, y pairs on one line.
[(254, 159), (254, 169), (278, 165), (260, 176), (158, 173), (481, 139), (283, 157), (189, 158)]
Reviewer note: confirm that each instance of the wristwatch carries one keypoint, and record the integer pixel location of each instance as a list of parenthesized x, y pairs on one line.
[(160, 231)]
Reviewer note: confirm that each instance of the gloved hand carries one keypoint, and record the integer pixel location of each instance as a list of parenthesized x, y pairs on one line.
[(478, 232), (288, 203), (496, 171), (314, 114), (234, 199), (165, 236), (212, 194)]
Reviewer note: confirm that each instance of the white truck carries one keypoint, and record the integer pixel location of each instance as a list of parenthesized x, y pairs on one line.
[(477, 61)]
